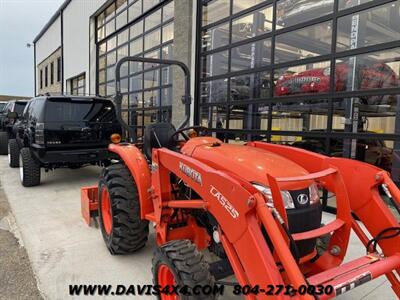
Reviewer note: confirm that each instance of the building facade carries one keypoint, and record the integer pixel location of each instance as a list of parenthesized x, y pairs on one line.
[(323, 75)]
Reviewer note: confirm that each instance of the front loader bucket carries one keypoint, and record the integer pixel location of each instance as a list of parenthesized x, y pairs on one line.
[(89, 203)]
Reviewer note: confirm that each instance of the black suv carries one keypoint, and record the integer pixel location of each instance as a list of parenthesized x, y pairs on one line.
[(63, 131), (8, 117)]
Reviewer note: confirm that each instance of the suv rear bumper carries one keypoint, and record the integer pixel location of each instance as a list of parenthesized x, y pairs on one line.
[(70, 157)]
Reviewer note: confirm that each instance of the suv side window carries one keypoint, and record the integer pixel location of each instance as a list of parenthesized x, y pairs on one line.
[(25, 114), (37, 109)]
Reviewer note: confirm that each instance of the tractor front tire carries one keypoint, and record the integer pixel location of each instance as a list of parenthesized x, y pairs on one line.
[(122, 228), (3, 143), (179, 263), (29, 169), (13, 153)]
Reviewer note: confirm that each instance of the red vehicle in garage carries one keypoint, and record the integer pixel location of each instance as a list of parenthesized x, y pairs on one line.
[(256, 208), (368, 76)]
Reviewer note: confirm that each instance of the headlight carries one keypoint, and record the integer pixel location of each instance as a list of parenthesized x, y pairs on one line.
[(287, 198), (314, 194)]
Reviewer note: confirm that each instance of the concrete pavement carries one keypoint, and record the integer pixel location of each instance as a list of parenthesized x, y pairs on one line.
[(64, 251)]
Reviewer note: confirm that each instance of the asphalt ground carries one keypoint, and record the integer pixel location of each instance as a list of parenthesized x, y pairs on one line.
[(17, 280)]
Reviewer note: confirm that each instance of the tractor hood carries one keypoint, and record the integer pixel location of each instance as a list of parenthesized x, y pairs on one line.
[(252, 164)]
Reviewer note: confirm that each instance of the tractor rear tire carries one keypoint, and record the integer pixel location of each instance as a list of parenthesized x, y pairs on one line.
[(179, 263), (122, 228), (29, 169), (13, 153), (3, 143)]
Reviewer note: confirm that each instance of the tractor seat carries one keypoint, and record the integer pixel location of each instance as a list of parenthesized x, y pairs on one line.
[(158, 135)]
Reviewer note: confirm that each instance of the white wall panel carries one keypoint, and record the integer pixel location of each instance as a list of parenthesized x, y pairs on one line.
[(76, 38), (49, 42)]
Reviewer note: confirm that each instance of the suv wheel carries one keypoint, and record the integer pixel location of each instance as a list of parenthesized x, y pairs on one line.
[(13, 153), (119, 211), (29, 169), (3, 143)]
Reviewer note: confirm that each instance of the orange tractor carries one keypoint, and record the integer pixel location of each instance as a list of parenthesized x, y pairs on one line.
[(255, 209)]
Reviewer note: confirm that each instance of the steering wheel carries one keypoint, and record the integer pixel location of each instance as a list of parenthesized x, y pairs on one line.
[(182, 131)]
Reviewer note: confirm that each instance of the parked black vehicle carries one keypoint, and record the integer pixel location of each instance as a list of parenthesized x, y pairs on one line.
[(63, 131), (2, 105), (8, 116)]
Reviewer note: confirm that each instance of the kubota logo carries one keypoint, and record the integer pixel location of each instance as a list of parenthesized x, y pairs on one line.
[(224, 202), (191, 173)]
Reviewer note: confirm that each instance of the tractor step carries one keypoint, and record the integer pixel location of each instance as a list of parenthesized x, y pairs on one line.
[(355, 273)]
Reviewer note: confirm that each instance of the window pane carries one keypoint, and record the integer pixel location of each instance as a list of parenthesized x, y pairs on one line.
[(249, 116), (215, 64), (122, 19), (102, 62), (102, 48), (254, 24), (100, 20), (371, 71), (147, 4), (135, 10), (136, 83), (215, 37), (102, 76), (110, 27), (152, 39), (250, 86), (168, 32), (153, 20), (110, 12), (166, 97), (167, 52), (308, 42), (254, 55), (111, 44), (101, 33), (239, 5), (371, 27), (123, 37), (301, 116), (168, 11), (304, 79), (122, 52), (136, 29), (215, 10), (291, 12), (111, 58), (152, 79), (214, 117), (214, 91), (136, 47), (152, 98)]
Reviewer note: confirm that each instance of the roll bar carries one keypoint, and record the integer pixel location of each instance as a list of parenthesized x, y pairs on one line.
[(186, 99)]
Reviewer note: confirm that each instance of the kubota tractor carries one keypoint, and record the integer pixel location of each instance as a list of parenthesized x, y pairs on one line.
[(255, 209)]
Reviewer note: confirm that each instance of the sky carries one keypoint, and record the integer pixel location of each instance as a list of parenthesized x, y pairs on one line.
[(20, 23)]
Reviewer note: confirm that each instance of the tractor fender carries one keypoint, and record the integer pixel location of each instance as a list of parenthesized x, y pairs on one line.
[(137, 164)]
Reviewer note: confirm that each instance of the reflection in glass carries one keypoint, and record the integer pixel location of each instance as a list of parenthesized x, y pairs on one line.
[(215, 37), (308, 42), (374, 70), (293, 12), (215, 10), (250, 86), (371, 27), (214, 91), (254, 55), (215, 64), (253, 24), (303, 79)]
